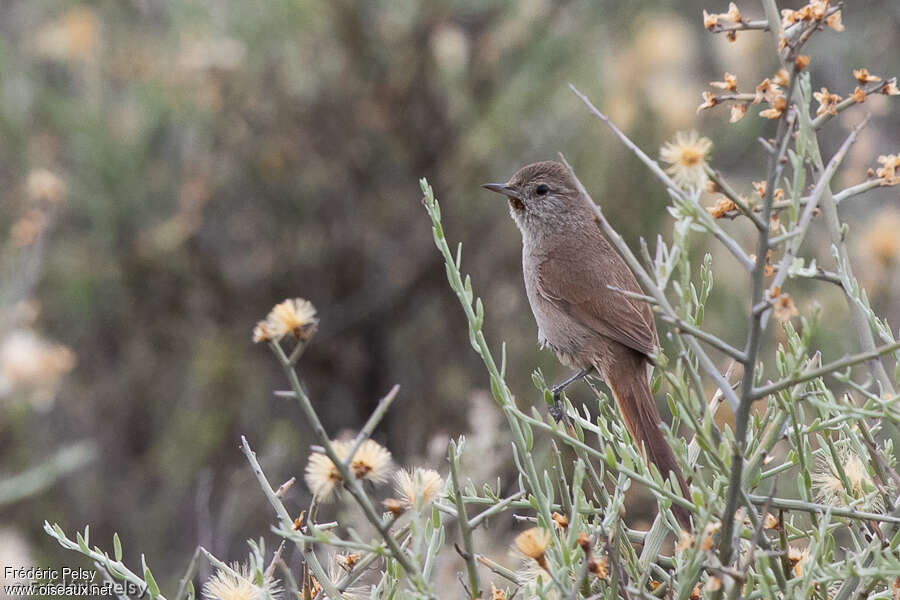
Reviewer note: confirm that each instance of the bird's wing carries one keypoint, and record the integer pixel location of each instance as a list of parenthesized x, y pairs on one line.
[(576, 283)]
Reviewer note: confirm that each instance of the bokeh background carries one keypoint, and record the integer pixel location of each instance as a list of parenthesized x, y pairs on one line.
[(169, 170)]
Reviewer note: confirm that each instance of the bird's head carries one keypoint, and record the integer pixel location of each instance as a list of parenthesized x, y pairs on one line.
[(542, 196)]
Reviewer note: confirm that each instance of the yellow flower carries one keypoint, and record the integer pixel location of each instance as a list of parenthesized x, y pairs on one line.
[(686, 155), (238, 585), (863, 76), (827, 101), (295, 317), (418, 486)]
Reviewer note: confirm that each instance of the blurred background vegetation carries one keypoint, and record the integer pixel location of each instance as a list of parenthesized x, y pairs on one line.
[(172, 169)]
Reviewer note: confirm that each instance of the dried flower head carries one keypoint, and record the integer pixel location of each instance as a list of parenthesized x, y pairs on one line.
[(322, 476), (560, 520), (533, 543), (686, 155), (599, 567), (890, 163), (766, 91), (395, 506), (880, 241), (347, 561), (497, 593), (770, 521), (295, 317), (584, 542), (729, 83), (781, 78), (685, 541), (710, 21), (890, 87), (830, 489), (801, 62), (759, 187), (798, 559), (238, 584), (834, 21), (43, 187), (371, 462), (714, 583), (418, 486), (731, 35), (27, 229), (858, 95), (737, 112), (261, 332), (776, 109), (709, 100), (827, 102), (783, 308), (722, 208), (863, 76)]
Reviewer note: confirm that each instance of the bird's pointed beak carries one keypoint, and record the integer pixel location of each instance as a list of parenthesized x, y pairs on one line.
[(502, 188)]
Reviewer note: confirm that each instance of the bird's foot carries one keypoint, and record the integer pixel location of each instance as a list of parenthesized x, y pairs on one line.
[(557, 411)]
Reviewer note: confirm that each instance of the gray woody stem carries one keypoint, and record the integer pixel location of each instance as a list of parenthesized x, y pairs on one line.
[(847, 361), (349, 480), (462, 519), (286, 522)]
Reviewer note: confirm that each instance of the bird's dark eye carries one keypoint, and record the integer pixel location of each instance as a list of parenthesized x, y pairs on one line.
[(542, 189)]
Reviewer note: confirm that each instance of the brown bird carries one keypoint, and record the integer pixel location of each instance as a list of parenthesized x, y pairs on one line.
[(567, 265)]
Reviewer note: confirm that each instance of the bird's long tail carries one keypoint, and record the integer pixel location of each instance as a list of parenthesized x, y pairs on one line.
[(627, 378)]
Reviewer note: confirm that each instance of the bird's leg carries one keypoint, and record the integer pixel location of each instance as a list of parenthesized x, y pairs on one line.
[(556, 411)]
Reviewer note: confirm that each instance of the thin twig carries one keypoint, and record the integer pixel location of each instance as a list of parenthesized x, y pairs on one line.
[(847, 361)]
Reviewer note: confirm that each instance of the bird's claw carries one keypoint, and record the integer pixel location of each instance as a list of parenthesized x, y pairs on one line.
[(557, 411)]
